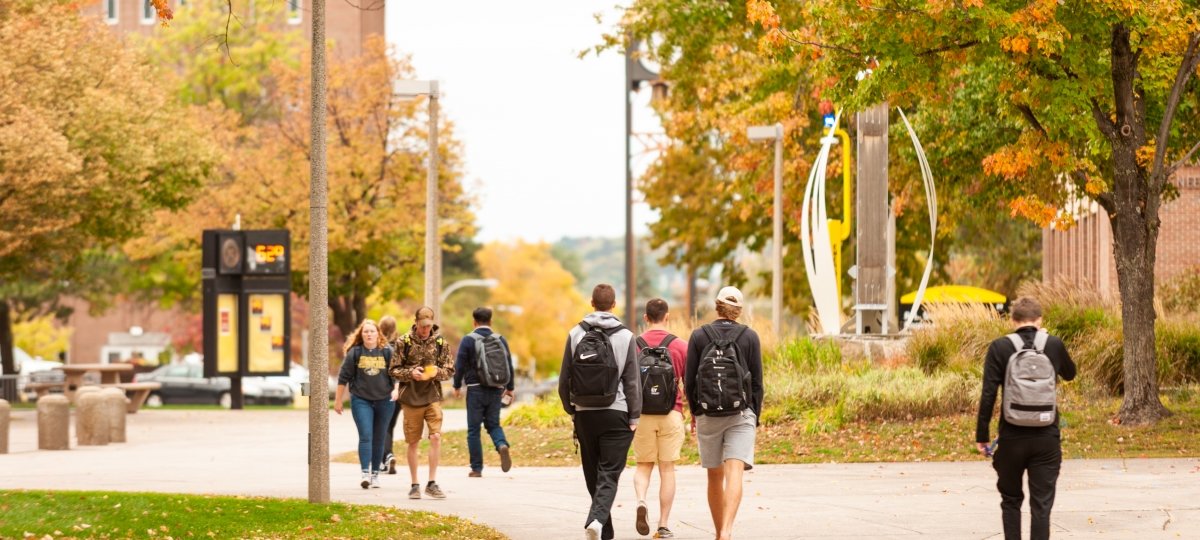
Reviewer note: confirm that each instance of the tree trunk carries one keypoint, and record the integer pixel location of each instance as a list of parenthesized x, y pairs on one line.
[(1133, 212), (8, 362), (344, 314)]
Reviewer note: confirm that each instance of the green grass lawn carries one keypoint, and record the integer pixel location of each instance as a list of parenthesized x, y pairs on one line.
[(542, 439), (98, 514)]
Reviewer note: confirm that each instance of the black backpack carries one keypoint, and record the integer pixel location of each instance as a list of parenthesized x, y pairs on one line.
[(491, 360), (659, 382), (722, 379), (594, 374)]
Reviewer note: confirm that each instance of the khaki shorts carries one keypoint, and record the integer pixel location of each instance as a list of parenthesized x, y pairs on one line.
[(416, 418), (658, 437)]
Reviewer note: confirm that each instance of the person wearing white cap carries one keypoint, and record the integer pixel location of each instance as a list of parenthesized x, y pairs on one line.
[(723, 384)]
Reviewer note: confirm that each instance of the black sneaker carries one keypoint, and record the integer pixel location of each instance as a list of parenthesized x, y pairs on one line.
[(434, 491), (664, 532), (505, 458), (389, 463), (643, 528), (415, 491)]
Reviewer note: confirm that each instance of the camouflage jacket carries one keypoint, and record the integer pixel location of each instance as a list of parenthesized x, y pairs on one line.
[(412, 353)]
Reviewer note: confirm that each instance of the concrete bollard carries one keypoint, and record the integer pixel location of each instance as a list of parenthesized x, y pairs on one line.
[(5, 415), (84, 390), (54, 422), (91, 421), (115, 406)]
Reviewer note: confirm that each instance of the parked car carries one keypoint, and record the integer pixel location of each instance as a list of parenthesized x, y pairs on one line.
[(186, 383), (298, 375)]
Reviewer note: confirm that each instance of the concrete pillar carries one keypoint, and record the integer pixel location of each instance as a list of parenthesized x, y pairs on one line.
[(115, 406), (91, 422), (5, 412), (83, 390), (54, 421)]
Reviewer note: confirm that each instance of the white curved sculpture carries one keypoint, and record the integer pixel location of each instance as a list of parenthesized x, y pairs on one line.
[(931, 200), (815, 240)]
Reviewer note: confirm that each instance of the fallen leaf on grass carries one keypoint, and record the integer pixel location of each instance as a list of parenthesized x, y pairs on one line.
[(335, 518)]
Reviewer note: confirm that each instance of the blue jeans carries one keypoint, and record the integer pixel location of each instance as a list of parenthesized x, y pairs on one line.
[(371, 416), (483, 407)]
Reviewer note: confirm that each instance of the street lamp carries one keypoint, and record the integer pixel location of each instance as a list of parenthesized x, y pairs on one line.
[(775, 133), (636, 73), (433, 252), (489, 283)]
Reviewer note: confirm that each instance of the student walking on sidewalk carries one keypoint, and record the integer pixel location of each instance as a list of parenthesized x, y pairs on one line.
[(372, 395), (724, 387), (659, 438), (387, 329), (1027, 364), (422, 363), (484, 365), (600, 389)]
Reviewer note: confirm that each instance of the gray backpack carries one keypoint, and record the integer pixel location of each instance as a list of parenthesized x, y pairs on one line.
[(1030, 390)]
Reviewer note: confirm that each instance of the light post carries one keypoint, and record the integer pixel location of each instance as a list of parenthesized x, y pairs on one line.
[(489, 283), (636, 73), (775, 133), (433, 251)]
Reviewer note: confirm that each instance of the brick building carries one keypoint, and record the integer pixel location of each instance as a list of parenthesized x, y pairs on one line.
[(348, 25), (1083, 255)]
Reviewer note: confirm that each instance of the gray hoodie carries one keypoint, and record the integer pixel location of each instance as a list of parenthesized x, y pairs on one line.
[(629, 392)]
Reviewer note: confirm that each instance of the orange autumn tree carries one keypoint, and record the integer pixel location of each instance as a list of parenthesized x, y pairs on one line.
[(377, 159), (1062, 98)]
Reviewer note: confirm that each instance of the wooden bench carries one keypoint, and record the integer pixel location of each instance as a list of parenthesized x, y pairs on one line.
[(136, 392)]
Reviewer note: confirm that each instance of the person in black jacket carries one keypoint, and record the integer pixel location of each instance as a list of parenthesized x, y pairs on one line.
[(1037, 450), (483, 402), (726, 442)]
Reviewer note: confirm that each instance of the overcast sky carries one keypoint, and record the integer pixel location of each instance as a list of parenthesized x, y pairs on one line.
[(543, 130)]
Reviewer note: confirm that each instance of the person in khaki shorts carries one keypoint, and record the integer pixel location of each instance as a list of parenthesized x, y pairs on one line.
[(660, 436), (421, 363)]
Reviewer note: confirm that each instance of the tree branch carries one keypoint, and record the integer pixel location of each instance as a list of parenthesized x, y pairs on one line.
[(1029, 117), (819, 45), (1187, 66), (1107, 127), (950, 47), (1182, 161)]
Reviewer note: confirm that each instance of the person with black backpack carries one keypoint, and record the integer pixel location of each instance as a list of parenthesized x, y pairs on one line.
[(484, 365), (659, 438), (600, 388), (1027, 365), (723, 383)]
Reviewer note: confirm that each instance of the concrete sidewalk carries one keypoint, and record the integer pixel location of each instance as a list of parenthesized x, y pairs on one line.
[(265, 453)]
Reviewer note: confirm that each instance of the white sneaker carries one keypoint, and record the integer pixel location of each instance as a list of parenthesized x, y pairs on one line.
[(593, 530), (366, 480), (375, 480)]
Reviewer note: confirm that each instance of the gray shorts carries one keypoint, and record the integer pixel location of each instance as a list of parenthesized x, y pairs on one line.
[(726, 437)]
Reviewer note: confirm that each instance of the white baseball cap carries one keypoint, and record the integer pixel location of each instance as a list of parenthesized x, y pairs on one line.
[(730, 296)]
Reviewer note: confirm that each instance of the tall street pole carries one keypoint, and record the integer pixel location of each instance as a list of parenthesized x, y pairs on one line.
[(630, 252), (433, 267), (777, 238), (318, 276)]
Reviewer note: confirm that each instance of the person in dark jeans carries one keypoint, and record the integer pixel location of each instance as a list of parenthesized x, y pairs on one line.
[(387, 330), (1021, 449), (483, 402), (604, 433), (373, 395)]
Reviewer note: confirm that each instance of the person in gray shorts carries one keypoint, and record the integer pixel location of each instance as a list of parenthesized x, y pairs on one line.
[(723, 383)]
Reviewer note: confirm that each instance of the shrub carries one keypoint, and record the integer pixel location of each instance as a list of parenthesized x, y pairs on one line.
[(544, 412), (1181, 294), (957, 339)]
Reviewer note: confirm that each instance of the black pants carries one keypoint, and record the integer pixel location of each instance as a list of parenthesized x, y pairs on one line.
[(391, 433), (604, 439), (1042, 458)]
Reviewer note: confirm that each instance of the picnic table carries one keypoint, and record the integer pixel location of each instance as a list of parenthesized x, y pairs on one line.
[(110, 376)]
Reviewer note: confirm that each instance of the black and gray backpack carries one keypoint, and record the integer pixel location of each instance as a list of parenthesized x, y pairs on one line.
[(594, 375), (660, 383), (1030, 389), (722, 378), (491, 360)]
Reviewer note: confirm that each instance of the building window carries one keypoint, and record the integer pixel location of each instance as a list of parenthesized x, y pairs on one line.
[(148, 13), (110, 11), (294, 15)]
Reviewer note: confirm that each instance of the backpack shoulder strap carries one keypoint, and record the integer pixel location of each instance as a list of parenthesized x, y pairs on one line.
[(667, 340), (708, 331), (739, 333), (612, 331), (1017, 342), (1040, 340), (641, 343)]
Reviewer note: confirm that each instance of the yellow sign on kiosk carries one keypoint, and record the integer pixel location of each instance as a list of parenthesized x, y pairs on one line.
[(227, 333), (266, 352)]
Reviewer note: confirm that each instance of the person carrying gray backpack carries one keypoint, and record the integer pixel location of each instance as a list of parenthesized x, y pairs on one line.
[(1026, 364)]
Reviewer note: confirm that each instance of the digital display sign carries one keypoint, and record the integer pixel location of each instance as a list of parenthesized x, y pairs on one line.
[(266, 253)]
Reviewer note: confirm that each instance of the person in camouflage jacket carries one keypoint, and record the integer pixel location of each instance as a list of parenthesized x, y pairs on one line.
[(420, 363)]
